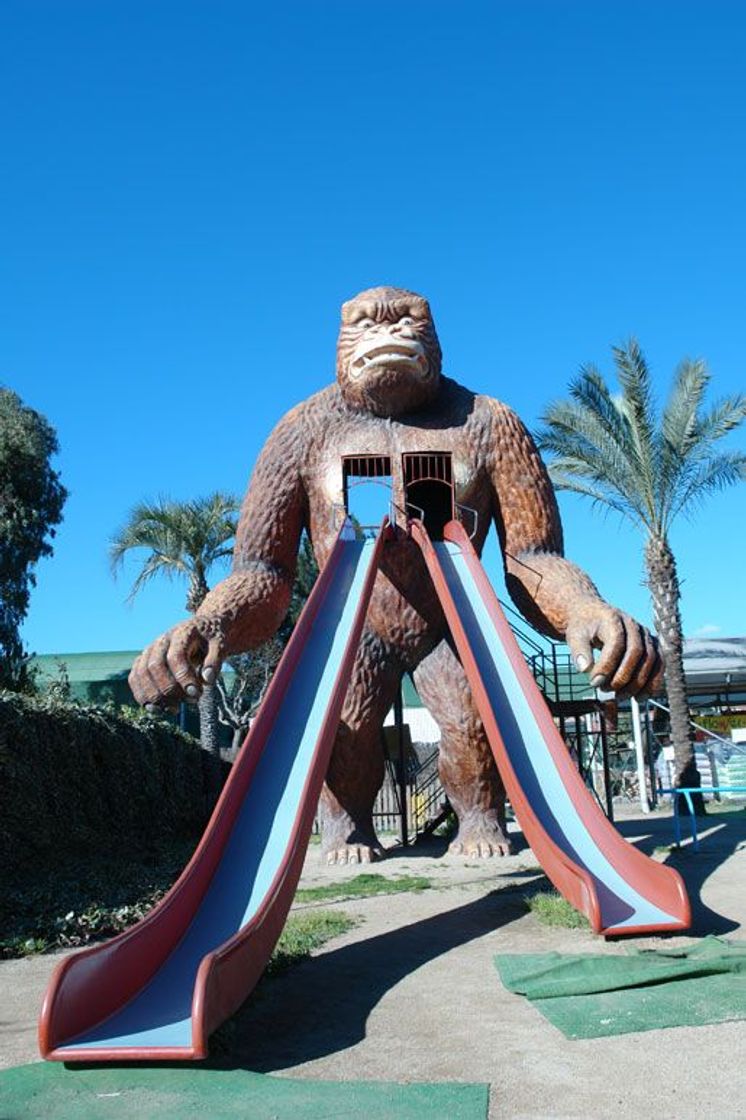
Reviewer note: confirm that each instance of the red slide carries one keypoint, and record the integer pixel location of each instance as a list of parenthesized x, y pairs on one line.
[(159, 989), (615, 885)]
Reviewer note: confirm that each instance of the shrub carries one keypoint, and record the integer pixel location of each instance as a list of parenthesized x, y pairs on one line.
[(75, 779)]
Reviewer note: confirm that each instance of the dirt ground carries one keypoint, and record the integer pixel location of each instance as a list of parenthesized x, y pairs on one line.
[(411, 993)]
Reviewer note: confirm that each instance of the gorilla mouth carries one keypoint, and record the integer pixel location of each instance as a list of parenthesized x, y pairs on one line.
[(390, 355)]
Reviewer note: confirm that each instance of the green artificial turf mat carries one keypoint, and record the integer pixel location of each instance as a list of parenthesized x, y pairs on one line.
[(51, 1091), (590, 995)]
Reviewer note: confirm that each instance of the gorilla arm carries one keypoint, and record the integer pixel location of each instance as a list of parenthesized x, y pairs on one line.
[(553, 594), (248, 606)]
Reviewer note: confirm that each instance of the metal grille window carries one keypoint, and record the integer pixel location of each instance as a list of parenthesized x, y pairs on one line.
[(428, 485), (432, 467), (366, 481)]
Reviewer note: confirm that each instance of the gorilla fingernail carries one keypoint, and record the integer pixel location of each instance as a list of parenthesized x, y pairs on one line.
[(582, 663), (192, 691), (208, 675), (598, 681)]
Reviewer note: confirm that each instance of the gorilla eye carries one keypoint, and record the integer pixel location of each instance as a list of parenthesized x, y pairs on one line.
[(363, 324), (406, 321)]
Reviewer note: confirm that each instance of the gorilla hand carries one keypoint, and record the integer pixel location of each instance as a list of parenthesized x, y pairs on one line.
[(630, 663), (177, 665)]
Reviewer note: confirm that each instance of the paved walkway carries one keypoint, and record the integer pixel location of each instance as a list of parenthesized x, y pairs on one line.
[(412, 994)]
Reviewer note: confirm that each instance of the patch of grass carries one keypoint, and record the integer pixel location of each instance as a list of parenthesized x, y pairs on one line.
[(363, 886), (553, 910), (305, 932)]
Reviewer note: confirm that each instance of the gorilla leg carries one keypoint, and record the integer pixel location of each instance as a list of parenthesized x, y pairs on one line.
[(467, 768), (357, 766)]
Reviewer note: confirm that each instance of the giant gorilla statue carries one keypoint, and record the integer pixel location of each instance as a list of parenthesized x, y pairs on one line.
[(391, 398)]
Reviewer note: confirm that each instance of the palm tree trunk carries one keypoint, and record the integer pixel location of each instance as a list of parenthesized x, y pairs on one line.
[(663, 581), (208, 735)]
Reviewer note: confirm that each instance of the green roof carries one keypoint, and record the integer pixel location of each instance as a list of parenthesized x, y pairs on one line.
[(94, 675), (85, 667)]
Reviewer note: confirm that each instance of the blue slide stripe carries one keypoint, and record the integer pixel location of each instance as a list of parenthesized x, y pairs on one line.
[(621, 904), (160, 1014)]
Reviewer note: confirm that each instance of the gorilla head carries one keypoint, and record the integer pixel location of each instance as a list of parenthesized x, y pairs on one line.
[(388, 354)]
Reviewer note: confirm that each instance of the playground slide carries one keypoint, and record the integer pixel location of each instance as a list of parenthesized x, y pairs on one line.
[(158, 990), (615, 885)]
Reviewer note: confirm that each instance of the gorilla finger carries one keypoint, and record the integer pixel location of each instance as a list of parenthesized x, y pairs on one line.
[(183, 670), (656, 679), (213, 659), (158, 669), (640, 682), (579, 640), (184, 659), (154, 693), (612, 637), (139, 681), (144, 691), (634, 654)]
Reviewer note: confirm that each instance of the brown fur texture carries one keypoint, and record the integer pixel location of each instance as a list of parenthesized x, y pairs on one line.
[(391, 398)]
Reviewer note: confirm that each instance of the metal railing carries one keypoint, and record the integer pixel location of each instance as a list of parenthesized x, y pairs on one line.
[(732, 747)]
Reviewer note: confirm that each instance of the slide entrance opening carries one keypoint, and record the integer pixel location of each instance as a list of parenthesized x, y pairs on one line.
[(428, 485), (366, 482)]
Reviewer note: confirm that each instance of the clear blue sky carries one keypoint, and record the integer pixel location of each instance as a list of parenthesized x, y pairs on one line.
[(189, 190)]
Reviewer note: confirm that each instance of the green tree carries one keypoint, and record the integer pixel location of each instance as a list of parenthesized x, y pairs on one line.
[(650, 466), (31, 502), (181, 539)]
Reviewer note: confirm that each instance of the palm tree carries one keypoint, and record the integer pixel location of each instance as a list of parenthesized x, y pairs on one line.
[(181, 539), (620, 452)]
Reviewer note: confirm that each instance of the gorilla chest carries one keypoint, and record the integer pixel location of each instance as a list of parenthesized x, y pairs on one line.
[(386, 456)]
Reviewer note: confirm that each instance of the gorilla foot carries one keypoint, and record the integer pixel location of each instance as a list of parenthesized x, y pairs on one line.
[(343, 841), (481, 840), (353, 853)]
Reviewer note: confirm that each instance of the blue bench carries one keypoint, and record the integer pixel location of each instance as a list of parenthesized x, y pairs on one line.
[(687, 791)]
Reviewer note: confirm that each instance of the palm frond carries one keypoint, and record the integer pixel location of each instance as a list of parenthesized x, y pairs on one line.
[(678, 433), (588, 459), (616, 452), (563, 474), (590, 428), (591, 391), (156, 564), (716, 473), (637, 405), (182, 538), (679, 417), (724, 417)]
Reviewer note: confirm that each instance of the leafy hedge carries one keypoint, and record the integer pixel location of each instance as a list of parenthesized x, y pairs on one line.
[(75, 779)]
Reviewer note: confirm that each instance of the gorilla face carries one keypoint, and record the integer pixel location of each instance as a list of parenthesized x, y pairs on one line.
[(388, 355)]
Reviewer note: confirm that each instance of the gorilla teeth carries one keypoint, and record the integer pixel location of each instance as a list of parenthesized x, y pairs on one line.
[(391, 356)]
